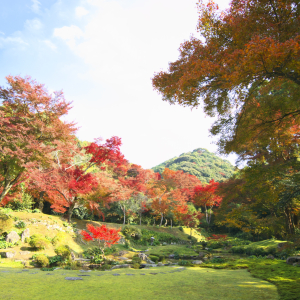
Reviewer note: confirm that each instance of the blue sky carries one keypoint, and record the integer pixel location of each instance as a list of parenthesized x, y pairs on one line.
[(102, 54)]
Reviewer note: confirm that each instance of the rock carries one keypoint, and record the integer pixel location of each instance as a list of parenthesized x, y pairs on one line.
[(73, 278), (296, 264), (171, 256), (12, 237), (72, 255), (121, 266), (143, 256), (201, 254), (24, 252), (150, 261), (121, 253), (280, 245), (197, 262), (25, 234), (123, 258), (293, 259), (270, 256), (9, 254), (148, 265), (164, 244), (160, 264)]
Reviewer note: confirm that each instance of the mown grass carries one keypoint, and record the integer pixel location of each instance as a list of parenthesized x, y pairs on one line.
[(191, 283), (284, 276)]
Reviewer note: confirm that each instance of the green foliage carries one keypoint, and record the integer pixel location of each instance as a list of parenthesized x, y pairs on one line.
[(4, 244), (136, 259), (48, 269), (200, 163), (56, 260), (186, 263), (131, 232), (42, 260), (20, 224), (6, 223), (154, 258), (39, 242), (63, 251), (110, 250), (60, 237), (136, 265)]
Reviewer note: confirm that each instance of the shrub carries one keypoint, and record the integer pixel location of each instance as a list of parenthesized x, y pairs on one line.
[(136, 259), (184, 263), (136, 265), (98, 259), (63, 251), (154, 258), (131, 232), (56, 260), (4, 244), (6, 223), (92, 252), (60, 237), (42, 260), (20, 224), (39, 242), (110, 250)]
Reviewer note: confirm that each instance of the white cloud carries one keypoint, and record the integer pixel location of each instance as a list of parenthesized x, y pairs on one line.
[(69, 34), (50, 45), (35, 6), (33, 25), (80, 11), (12, 41)]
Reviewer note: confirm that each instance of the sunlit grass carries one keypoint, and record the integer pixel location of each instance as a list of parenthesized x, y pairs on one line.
[(191, 283)]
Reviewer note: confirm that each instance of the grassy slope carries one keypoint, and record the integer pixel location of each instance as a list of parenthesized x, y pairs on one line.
[(35, 224), (192, 283)]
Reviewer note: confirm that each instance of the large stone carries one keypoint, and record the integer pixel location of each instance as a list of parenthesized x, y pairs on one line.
[(25, 234), (24, 252), (160, 264), (121, 266), (9, 254), (201, 254), (293, 259), (143, 256), (270, 256), (12, 237), (197, 262)]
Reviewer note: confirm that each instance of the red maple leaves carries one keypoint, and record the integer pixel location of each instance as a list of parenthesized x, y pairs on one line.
[(102, 234)]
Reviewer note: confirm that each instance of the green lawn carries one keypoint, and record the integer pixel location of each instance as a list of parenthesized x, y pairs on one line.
[(190, 283)]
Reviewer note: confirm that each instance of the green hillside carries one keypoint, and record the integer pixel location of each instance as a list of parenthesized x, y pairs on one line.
[(201, 163)]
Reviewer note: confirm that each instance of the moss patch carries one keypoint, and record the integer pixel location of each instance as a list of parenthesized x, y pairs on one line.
[(191, 283)]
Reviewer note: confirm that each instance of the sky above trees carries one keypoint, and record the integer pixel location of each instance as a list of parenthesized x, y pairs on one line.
[(103, 54)]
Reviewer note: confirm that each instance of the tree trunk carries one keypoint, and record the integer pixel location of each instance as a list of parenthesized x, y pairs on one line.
[(161, 219), (124, 211), (166, 222), (171, 223), (140, 219), (289, 221), (41, 201), (154, 222), (8, 184), (70, 212)]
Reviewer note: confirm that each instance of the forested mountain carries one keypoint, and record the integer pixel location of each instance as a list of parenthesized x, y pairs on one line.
[(201, 163)]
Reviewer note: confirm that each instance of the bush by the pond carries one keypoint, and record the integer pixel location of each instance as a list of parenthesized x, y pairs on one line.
[(39, 242), (63, 251), (42, 260)]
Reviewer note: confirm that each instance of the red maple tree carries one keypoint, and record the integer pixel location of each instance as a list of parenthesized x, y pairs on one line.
[(104, 236)]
